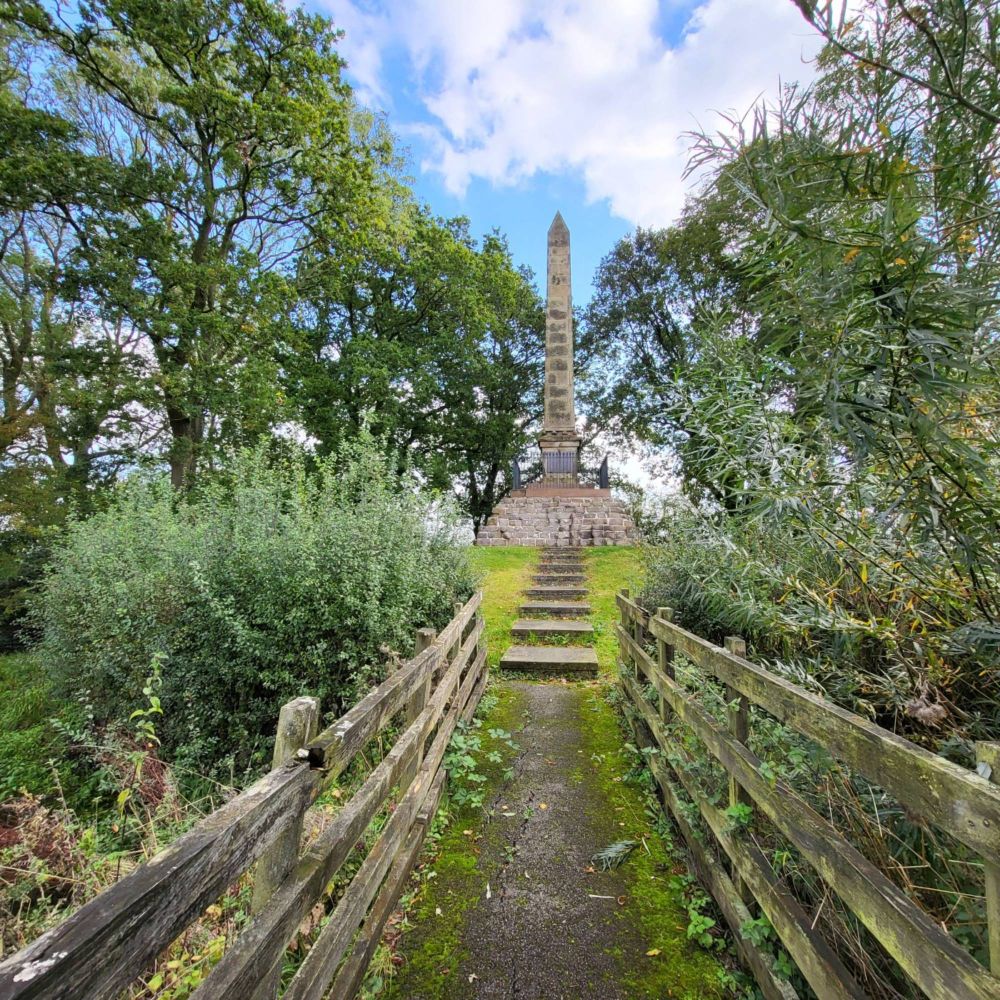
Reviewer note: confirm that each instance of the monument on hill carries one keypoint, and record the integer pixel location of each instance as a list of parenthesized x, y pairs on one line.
[(560, 509), (559, 443)]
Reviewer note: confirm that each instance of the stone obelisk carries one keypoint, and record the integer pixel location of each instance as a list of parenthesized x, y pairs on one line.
[(559, 442), (560, 510)]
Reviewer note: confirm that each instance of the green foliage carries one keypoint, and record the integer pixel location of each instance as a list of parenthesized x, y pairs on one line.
[(432, 342), (700, 924), (467, 758), (266, 584), (34, 752), (813, 346), (739, 815)]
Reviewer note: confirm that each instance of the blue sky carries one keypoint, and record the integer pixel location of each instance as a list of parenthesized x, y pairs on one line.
[(512, 109)]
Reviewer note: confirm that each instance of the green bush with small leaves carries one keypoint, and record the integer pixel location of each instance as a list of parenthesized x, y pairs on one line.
[(280, 578)]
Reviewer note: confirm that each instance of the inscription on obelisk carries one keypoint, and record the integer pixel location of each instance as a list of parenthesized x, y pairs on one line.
[(559, 411), (559, 442)]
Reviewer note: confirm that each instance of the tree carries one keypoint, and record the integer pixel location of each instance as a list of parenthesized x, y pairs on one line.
[(661, 296), (491, 390), (66, 379), (232, 134), (841, 402), (425, 340)]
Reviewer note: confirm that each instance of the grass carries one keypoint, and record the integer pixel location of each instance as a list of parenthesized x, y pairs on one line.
[(506, 572), (609, 569), (33, 751)]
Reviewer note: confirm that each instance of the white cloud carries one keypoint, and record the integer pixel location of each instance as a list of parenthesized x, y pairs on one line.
[(513, 87)]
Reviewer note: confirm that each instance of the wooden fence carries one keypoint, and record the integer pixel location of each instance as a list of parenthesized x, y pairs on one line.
[(112, 940), (961, 802)]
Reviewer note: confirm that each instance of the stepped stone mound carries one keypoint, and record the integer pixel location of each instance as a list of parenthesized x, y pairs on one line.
[(560, 521)]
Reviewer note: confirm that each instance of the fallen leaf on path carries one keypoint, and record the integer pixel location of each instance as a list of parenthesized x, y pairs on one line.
[(543, 805), (622, 900), (438, 911), (653, 952), (468, 833), (473, 977), (590, 869)]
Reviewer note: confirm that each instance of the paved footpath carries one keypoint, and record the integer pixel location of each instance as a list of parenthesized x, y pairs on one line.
[(537, 921)]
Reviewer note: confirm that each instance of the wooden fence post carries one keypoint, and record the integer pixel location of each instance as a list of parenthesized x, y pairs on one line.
[(298, 723), (629, 625), (989, 754), (425, 638), (665, 659), (457, 648), (739, 726)]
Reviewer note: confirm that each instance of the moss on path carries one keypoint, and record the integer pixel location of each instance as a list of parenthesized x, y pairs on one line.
[(515, 908), (511, 905)]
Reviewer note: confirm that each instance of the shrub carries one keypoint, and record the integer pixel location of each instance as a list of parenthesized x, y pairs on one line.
[(891, 643), (268, 583)]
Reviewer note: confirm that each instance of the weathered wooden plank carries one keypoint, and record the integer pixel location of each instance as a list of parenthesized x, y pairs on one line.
[(952, 797), (817, 961), (716, 880), (988, 753), (265, 940), (102, 947), (298, 722), (313, 977), (337, 745), (473, 703), (424, 640), (351, 974), (630, 611), (738, 713), (935, 962)]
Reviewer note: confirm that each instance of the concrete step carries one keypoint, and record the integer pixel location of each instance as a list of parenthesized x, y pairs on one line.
[(556, 661), (543, 628), (560, 579), (556, 593), (559, 567), (557, 609)]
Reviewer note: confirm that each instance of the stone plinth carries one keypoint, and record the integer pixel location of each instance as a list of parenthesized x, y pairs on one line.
[(561, 520)]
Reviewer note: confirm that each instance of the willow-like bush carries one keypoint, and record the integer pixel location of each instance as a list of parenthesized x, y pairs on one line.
[(269, 583)]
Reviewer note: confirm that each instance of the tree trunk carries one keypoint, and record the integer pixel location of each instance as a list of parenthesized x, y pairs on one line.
[(187, 433)]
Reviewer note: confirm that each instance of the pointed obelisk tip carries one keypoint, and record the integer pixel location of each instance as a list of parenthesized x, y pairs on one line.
[(558, 224)]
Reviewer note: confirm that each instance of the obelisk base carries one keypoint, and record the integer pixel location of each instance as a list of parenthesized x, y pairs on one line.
[(571, 517), (560, 458)]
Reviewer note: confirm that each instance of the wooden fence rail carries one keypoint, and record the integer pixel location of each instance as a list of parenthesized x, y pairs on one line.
[(112, 940), (938, 792)]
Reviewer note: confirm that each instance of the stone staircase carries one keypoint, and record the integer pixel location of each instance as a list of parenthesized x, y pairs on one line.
[(555, 614)]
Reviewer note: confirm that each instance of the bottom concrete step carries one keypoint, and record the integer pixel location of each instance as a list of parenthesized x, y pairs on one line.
[(558, 609), (557, 661), (525, 628)]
